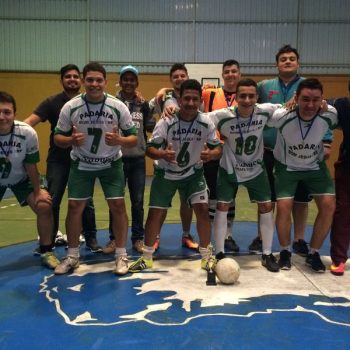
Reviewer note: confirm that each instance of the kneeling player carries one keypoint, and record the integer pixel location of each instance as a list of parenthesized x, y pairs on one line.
[(19, 153), (179, 147)]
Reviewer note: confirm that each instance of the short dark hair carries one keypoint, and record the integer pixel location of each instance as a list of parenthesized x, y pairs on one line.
[(94, 67), (7, 98), (286, 49), (177, 66), (230, 63), (246, 82), (67, 68), (191, 84), (309, 83)]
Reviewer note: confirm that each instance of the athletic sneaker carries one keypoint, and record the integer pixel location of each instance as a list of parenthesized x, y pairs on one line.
[(110, 247), (300, 247), (37, 251), (121, 265), (256, 246), (60, 239), (231, 245), (284, 260), (269, 261), (220, 256), (337, 270), (138, 246), (68, 264), (49, 260), (92, 245), (156, 244), (141, 264), (188, 242), (315, 262)]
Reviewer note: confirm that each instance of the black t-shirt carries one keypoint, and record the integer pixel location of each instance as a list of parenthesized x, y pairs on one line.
[(50, 110), (342, 106)]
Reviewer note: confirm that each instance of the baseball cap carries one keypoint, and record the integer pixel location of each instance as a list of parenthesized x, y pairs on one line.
[(129, 68)]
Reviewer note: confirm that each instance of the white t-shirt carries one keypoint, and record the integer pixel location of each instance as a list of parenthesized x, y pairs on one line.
[(94, 120), (299, 143), (243, 148), (187, 139), (16, 148)]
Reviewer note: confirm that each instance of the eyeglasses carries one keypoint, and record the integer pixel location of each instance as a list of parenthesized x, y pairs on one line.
[(246, 95)]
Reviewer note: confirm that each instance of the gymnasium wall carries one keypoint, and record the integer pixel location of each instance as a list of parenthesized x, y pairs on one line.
[(29, 89)]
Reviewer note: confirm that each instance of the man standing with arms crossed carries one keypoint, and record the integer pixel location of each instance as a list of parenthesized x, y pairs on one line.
[(58, 159), (93, 124)]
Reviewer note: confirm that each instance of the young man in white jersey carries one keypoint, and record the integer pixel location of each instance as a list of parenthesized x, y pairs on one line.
[(58, 159), (299, 158), (19, 154), (96, 125), (177, 75), (179, 146), (242, 164)]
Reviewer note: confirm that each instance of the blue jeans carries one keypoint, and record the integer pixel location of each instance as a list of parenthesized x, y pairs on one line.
[(135, 177), (57, 177)]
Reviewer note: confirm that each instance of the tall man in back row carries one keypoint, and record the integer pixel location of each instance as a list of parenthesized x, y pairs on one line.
[(281, 90), (96, 125), (299, 158)]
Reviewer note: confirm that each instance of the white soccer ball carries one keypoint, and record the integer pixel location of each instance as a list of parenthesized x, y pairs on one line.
[(227, 270)]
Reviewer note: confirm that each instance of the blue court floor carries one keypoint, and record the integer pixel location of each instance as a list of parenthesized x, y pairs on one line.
[(170, 306)]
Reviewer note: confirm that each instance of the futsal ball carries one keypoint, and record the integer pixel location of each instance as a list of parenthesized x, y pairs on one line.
[(227, 270)]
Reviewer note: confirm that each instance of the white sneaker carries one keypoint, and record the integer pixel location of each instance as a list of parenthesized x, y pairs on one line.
[(81, 239), (60, 239), (121, 265), (68, 264)]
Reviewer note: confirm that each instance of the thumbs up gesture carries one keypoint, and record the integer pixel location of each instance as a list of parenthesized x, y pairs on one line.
[(78, 138), (205, 154), (113, 138), (169, 154)]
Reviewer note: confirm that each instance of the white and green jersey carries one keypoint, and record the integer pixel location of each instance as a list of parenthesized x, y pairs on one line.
[(243, 148), (187, 139), (299, 143), (94, 120), (16, 148)]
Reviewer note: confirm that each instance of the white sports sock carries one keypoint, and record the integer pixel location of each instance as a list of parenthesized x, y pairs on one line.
[(204, 252), (73, 252), (220, 228), (266, 229), (148, 252), (120, 252)]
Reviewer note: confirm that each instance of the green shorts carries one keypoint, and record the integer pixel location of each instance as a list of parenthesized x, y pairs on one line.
[(258, 187), (21, 190), (192, 189), (81, 182), (316, 182)]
